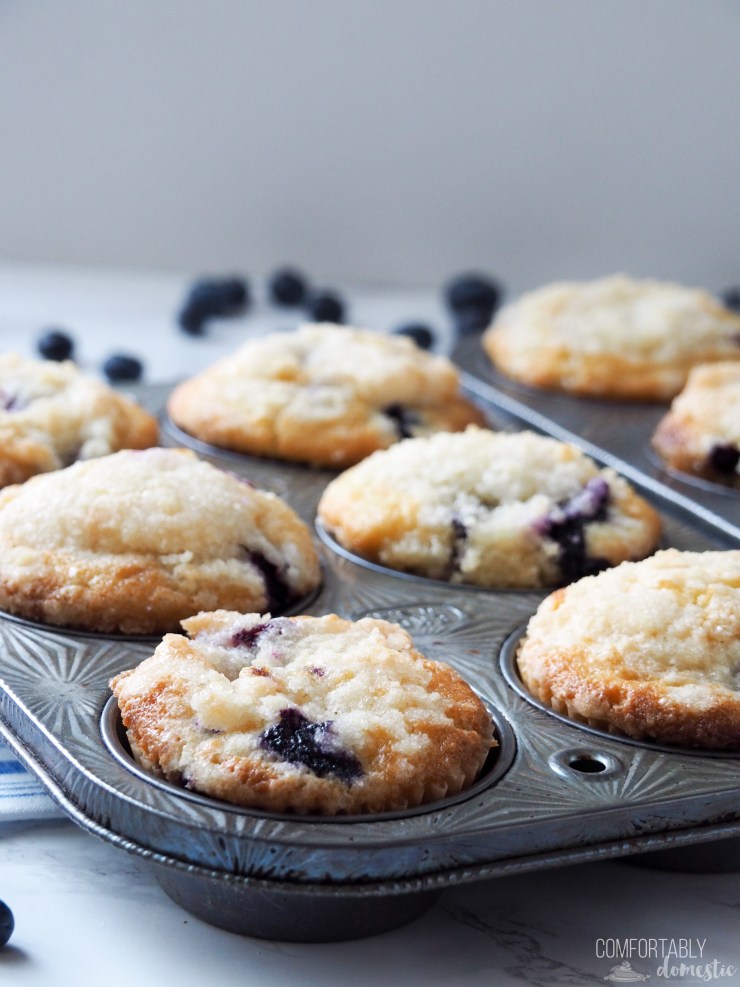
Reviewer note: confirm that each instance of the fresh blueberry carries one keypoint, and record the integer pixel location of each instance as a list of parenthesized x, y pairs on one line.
[(287, 287), (120, 367), (298, 740), (731, 298), (210, 298), (422, 335), (7, 923), (472, 299), (55, 345), (326, 306)]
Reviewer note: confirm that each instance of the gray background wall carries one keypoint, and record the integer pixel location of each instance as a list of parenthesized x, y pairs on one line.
[(389, 141)]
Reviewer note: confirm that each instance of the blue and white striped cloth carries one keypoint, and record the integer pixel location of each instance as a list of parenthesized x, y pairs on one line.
[(21, 796)]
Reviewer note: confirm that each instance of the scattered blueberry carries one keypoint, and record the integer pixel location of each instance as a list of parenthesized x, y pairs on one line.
[(210, 298), (422, 335), (724, 458), (403, 418), (731, 298), (288, 287), (7, 923), (296, 739), (55, 345), (120, 367), (325, 306), (472, 299)]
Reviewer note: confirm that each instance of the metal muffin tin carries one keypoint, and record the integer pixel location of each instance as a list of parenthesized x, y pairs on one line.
[(553, 793)]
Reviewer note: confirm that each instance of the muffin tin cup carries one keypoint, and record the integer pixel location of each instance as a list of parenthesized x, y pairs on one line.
[(287, 877)]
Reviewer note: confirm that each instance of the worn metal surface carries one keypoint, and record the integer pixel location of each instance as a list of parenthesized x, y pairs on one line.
[(558, 793)]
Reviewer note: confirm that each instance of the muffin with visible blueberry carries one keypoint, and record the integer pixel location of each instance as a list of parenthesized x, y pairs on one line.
[(52, 415), (136, 541), (649, 649), (322, 395), (615, 337), (494, 509), (700, 435), (303, 714)]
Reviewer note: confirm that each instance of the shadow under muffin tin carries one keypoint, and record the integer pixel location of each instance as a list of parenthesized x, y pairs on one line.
[(552, 793)]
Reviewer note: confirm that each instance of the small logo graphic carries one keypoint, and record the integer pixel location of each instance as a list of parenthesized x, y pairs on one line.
[(624, 974)]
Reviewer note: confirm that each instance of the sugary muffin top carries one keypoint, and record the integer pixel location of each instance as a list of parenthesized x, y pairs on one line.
[(638, 319), (138, 540), (491, 508), (51, 415), (303, 714)]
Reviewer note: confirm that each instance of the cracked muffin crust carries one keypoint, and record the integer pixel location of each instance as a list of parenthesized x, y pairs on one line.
[(303, 714), (136, 541), (700, 435), (614, 337), (504, 510), (51, 415), (650, 649), (323, 395)]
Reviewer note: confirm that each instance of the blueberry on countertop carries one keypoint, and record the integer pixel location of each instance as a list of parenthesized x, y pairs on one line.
[(287, 287), (472, 299), (55, 345), (7, 923), (210, 298), (120, 367), (422, 335), (326, 306), (730, 298)]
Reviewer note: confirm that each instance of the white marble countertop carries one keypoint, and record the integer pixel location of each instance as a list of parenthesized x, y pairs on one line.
[(88, 913)]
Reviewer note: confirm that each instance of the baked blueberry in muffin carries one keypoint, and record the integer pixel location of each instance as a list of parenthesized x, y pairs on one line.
[(303, 714), (488, 508), (52, 415), (614, 337), (700, 435), (136, 541), (323, 395)]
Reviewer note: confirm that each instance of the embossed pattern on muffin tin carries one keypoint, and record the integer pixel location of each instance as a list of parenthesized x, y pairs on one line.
[(565, 797)]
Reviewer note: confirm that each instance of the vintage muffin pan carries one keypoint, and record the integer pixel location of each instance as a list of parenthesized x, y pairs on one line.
[(554, 792)]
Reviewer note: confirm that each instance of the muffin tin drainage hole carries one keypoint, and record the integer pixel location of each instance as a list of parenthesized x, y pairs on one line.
[(590, 765)]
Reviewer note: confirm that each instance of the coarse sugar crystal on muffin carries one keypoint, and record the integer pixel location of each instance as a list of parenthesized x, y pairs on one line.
[(304, 714), (700, 435), (495, 509), (650, 649), (324, 394), (614, 337), (51, 415), (136, 541)]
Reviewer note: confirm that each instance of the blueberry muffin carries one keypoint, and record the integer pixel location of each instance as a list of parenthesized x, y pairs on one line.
[(303, 714), (323, 395), (489, 508), (614, 337), (650, 649), (701, 433), (52, 415), (136, 541)]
